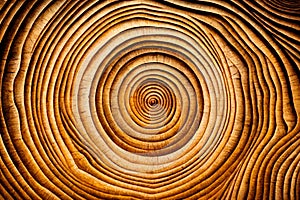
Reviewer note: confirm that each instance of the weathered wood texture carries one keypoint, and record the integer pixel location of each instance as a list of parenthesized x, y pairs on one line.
[(150, 99)]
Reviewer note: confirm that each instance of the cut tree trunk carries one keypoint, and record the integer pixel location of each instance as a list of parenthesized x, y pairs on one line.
[(150, 99)]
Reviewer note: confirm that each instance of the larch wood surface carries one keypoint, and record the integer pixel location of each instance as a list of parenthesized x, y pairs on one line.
[(150, 99)]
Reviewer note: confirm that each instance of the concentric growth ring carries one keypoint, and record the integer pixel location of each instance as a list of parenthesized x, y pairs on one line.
[(149, 100), (140, 78)]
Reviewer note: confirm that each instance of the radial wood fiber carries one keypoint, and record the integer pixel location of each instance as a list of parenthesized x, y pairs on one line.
[(150, 99)]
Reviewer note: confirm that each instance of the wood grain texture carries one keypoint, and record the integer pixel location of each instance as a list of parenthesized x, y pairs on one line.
[(149, 99)]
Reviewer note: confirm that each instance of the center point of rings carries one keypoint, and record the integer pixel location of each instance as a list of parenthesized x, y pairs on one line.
[(153, 102)]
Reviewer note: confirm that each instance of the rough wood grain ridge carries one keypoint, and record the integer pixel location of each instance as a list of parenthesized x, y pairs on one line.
[(150, 99)]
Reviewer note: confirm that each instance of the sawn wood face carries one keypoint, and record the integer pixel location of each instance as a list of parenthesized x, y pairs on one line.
[(150, 99)]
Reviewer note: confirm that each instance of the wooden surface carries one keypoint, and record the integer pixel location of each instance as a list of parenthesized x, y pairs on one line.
[(149, 100)]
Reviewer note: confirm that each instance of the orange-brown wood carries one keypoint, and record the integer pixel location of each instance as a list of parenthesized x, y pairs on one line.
[(150, 99)]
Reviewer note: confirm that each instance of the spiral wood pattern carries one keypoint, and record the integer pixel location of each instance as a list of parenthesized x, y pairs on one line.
[(150, 100)]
